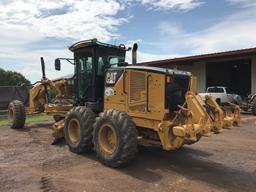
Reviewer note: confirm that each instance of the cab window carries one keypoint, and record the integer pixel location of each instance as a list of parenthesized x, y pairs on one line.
[(84, 75), (101, 67), (85, 64), (113, 60)]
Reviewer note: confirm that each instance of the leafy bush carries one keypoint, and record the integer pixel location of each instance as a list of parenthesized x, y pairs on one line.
[(12, 78)]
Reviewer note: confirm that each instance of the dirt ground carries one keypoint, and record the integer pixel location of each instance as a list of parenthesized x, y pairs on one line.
[(224, 162)]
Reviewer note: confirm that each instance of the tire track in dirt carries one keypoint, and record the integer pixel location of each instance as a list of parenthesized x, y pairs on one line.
[(47, 184), (43, 138)]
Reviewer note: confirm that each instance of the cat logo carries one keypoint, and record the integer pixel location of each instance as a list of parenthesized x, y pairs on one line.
[(111, 77)]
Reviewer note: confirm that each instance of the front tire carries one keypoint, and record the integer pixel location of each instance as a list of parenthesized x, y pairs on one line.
[(78, 129), (115, 138), (16, 114)]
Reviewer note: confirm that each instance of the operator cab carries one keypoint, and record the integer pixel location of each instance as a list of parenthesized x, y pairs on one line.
[(91, 60)]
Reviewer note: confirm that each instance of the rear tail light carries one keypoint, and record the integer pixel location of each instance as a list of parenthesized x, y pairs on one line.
[(169, 79)]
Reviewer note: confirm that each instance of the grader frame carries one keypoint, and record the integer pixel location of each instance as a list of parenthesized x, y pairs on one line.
[(195, 118)]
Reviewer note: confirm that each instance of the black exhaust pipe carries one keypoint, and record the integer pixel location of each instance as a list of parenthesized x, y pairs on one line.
[(44, 78), (134, 53), (43, 68)]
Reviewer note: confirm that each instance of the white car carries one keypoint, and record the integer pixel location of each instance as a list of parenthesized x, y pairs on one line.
[(222, 95)]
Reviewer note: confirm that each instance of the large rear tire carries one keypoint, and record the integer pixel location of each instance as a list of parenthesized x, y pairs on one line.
[(16, 114), (78, 129), (254, 106), (115, 138)]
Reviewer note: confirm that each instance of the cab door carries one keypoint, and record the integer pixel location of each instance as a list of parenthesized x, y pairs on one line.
[(84, 64)]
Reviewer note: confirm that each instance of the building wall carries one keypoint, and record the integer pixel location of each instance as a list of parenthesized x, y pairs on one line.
[(198, 70), (253, 65)]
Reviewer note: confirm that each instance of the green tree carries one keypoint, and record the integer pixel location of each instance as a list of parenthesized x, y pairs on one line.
[(12, 78)]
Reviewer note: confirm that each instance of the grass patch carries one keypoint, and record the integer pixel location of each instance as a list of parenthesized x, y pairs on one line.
[(30, 119)]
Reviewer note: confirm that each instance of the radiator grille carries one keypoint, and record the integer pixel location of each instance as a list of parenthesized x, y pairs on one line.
[(138, 86), (137, 91)]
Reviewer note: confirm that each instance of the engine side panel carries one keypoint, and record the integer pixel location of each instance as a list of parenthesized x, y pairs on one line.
[(140, 93)]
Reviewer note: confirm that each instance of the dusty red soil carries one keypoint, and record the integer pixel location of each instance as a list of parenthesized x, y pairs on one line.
[(224, 162)]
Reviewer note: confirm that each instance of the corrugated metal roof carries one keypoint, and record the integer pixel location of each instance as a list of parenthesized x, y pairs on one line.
[(205, 57)]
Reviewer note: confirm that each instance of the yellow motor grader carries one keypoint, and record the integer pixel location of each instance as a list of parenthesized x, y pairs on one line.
[(117, 106)]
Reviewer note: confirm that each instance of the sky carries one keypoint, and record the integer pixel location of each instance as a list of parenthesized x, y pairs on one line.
[(30, 29)]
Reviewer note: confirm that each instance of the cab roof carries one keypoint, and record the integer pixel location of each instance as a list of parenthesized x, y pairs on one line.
[(86, 43)]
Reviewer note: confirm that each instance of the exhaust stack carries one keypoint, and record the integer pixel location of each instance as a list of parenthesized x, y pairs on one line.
[(44, 78), (43, 67), (134, 53)]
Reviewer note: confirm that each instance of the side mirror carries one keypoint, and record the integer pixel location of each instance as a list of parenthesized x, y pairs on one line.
[(57, 65)]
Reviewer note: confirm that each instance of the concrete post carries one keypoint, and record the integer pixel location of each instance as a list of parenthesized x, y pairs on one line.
[(200, 72)]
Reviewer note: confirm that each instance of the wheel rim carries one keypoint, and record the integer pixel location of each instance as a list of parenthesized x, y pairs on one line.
[(107, 139), (10, 115), (74, 130)]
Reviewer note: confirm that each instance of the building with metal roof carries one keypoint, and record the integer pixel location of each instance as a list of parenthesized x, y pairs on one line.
[(234, 69)]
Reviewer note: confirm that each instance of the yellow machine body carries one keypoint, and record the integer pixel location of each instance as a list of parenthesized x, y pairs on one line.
[(142, 95)]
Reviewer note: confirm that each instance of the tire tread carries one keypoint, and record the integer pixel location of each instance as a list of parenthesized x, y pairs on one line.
[(19, 114), (86, 118), (127, 146)]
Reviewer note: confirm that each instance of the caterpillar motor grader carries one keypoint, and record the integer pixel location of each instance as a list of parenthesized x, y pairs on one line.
[(116, 106)]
